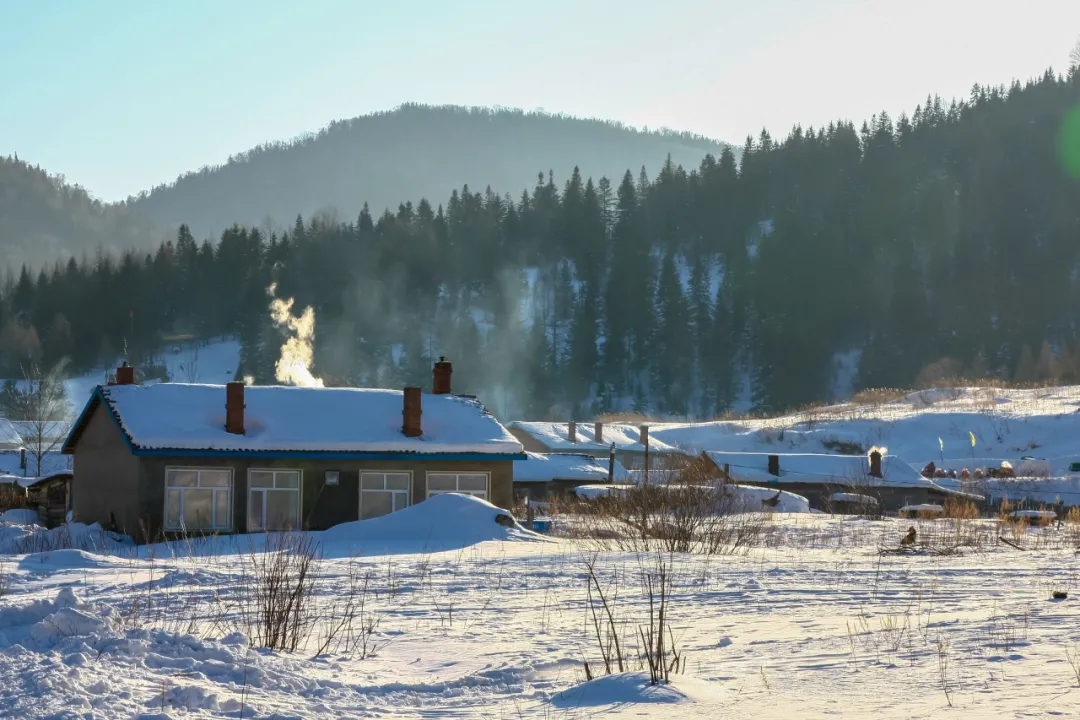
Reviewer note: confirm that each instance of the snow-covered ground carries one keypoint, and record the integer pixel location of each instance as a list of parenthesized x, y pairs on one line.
[(1006, 424), (214, 363), (810, 621)]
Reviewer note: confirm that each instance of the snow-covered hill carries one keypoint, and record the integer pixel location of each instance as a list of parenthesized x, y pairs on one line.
[(214, 363), (1005, 424)]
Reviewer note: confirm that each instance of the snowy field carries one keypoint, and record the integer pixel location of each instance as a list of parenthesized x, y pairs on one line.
[(462, 617)]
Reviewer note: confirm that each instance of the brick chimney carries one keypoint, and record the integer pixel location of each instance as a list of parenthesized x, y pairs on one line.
[(644, 432), (598, 433), (125, 374), (441, 375), (234, 408), (875, 464), (774, 465), (411, 411), (571, 431)]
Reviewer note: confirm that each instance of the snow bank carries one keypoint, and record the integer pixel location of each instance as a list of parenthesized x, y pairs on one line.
[(359, 420), (1033, 514), (448, 519), (19, 516), (750, 498), (634, 687), (23, 539)]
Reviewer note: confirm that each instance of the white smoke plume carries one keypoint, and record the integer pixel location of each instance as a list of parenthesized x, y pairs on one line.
[(297, 354)]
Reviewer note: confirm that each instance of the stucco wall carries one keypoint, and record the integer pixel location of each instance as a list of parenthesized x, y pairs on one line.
[(106, 477)]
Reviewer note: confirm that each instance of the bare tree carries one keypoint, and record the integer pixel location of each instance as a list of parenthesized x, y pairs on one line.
[(41, 406), (1074, 56), (190, 366)]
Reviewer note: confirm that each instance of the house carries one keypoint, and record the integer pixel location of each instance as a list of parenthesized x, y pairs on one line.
[(50, 496), (892, 482), (633, 444), (542, 475), (174, 458)]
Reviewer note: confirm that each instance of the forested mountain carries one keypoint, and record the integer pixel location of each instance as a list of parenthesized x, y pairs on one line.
[(414, 151), (43, 219), (945, 242)]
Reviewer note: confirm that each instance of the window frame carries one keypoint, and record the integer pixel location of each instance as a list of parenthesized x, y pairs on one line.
[(229, 493), (299, 490), (485, 495), (360, 490)]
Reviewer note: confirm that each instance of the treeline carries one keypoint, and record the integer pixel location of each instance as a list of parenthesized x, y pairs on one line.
[(409, 152), (43, 218), (947, 241)]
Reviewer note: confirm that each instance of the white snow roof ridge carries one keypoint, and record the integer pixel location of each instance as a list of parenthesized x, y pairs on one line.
[(180, 416)]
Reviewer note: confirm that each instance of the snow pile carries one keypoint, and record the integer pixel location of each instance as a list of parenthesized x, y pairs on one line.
[(19, 516), (634, 688), (445, 520), (184, 416), (540, 467), (23, 539), (64, 654), (590, 492), (750, 498)]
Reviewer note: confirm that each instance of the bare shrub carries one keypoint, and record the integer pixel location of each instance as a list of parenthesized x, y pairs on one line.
[(276, 591), (1072, 654), (658, 651), (692, 518), (349, 625), (601, 608), (877, 396), (656, 637)]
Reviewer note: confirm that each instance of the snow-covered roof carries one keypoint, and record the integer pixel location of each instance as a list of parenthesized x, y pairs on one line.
[(538, 467), (849, 470), (179, 416), (52, 462), (9, 436), (50, 430), (627, 437)]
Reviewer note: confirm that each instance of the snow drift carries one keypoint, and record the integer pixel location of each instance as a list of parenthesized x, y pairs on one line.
[(448, 519)]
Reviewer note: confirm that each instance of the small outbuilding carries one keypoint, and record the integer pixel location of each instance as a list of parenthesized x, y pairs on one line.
[(551, 475)]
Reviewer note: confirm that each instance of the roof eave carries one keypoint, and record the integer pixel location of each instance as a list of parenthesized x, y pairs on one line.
[(325, 455)]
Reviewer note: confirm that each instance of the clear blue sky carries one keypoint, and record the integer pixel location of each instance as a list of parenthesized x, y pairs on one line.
[(121, 95)]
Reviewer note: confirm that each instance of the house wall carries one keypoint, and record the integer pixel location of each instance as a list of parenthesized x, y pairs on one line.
[(107, 479), (321, 505), (553, 489)]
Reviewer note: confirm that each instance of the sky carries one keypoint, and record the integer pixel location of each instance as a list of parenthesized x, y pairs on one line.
[(123, 95)]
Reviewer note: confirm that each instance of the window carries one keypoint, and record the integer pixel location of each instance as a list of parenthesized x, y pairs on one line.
[(332, 477), (273, 500), (382, 493), (464, 483), (197, 499)]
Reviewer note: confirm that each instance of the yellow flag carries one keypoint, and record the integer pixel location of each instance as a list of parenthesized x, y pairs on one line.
[(972, 438)]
